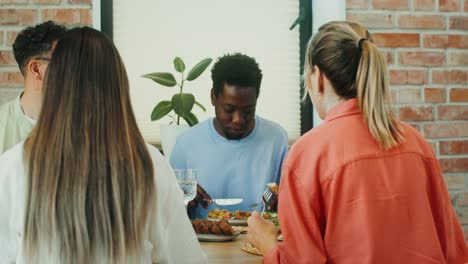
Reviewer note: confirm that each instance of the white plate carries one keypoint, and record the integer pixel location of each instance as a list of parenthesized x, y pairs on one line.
[(217, 238), (232, 221)]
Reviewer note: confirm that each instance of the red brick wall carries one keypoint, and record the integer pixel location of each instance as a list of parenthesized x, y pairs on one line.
[(18, 14), (426, 46)]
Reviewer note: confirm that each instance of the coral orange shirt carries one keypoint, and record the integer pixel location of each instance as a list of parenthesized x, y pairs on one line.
[(344, 200)]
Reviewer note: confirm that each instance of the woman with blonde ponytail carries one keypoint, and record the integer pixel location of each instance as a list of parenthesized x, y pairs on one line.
[(363, 187), (84, 187)]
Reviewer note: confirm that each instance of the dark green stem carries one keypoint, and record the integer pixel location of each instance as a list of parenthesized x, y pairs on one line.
[(181, 89)]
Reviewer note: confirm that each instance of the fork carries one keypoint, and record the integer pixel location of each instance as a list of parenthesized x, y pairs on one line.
[(253, 206), (267, 197)]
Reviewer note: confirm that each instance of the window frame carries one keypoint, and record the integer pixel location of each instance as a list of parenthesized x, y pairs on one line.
[(305, 32)]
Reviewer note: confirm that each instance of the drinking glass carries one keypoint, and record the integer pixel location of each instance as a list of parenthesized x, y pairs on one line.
[(187, 180)]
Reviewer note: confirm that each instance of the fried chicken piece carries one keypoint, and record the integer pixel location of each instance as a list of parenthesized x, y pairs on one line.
[(209, 223), (204, 229), (215, 230), (225, 227), (221, 227), (201, 227)]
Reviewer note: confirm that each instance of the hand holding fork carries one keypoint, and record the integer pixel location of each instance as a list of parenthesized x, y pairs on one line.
[(269, 199)]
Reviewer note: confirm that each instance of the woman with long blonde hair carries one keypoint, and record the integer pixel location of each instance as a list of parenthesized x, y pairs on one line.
[(84, 187), (363, 187)]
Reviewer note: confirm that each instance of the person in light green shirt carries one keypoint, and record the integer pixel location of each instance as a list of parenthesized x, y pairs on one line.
[(14, 124), (32, 48)]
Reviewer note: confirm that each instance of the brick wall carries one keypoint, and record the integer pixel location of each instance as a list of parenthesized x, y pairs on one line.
[(426, 46), (18, 14)]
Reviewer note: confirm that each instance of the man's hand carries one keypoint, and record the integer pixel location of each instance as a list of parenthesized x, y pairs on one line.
[(202, 198), (261, 233)]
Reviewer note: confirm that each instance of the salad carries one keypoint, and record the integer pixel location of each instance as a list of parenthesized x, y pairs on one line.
[(237, 215)]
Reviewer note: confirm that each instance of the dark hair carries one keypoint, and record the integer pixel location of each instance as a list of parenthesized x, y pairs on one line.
[(91, 204), (236, 69), (35, 41)]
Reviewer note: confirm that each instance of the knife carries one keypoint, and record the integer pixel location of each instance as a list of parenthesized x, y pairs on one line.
[(227, 201)]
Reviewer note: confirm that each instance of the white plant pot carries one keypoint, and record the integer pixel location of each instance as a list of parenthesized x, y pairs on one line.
[(169, 134)]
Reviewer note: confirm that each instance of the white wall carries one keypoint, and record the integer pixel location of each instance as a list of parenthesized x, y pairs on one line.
[(323, 12), (97, 14), (149, 35)]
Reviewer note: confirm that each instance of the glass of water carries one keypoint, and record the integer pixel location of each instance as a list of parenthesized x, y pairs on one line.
[(187, 180)]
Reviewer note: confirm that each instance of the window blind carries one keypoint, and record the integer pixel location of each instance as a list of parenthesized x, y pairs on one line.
[(151, 33)]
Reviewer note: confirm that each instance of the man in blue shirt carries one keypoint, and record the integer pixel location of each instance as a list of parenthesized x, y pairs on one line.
[(236, 153)]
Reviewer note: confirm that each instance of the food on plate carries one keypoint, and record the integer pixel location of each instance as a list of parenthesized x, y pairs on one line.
[(277, 226), (270, 215), (203, 226), (237, 215), (225, 214), (273, 187)]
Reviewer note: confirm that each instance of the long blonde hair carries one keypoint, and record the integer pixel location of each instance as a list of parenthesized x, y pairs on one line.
[(90, 184), (346, 54)]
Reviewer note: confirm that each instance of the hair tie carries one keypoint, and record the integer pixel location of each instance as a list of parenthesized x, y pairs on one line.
[(360, 43)]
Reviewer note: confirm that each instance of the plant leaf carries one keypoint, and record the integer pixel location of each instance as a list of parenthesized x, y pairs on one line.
[(183, 103), (179, 64), (163, 78), (161, 109), (198, 69), (191, 119), (201, 106)]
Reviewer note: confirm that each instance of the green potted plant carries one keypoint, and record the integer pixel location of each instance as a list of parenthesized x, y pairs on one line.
[(181, 104)]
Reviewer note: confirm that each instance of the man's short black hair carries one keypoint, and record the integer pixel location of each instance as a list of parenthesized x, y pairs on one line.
[(36, 41), (236, 69)]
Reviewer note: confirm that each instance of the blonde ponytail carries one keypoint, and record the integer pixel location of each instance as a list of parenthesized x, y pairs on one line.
[(373, 96), (345, 53)]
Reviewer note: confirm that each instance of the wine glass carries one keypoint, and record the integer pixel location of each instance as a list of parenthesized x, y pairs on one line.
[(187, 180)]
